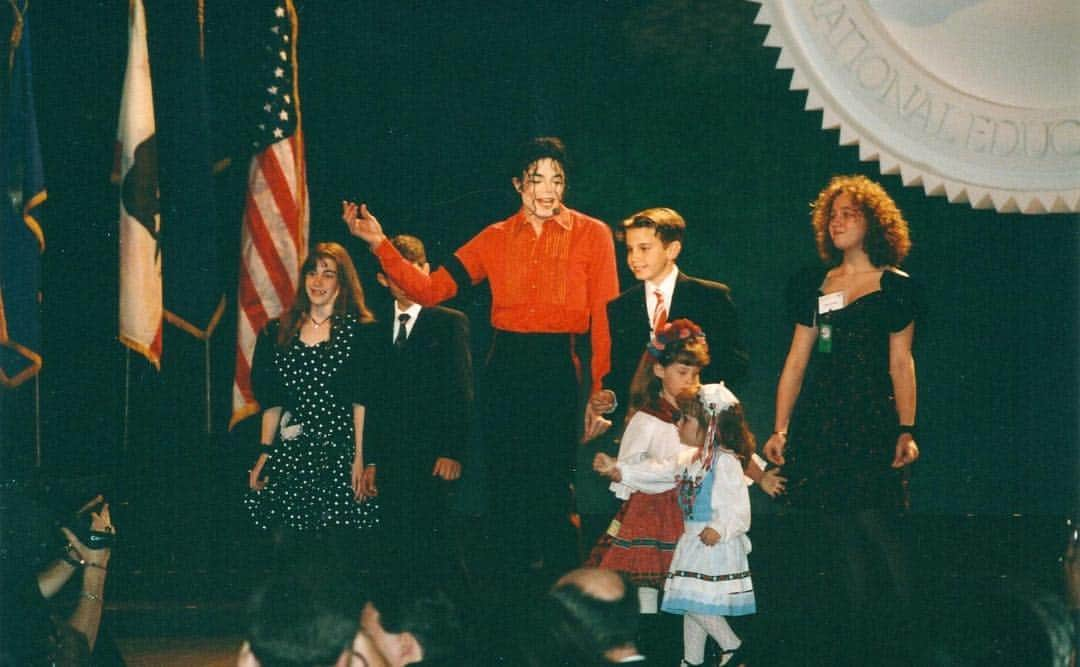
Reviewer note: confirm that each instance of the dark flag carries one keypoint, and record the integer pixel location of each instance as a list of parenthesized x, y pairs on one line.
[(21, 240), (193, 295), (274, 236)]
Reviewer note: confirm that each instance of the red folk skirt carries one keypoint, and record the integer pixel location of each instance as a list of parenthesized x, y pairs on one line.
[(641, 538)]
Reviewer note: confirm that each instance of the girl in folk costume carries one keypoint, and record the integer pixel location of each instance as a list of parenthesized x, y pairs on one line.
[(710, 574), (641, 539)]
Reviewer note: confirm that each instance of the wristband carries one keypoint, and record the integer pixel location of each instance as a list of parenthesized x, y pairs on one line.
[(99, 539), (782, 434), (909, 429)]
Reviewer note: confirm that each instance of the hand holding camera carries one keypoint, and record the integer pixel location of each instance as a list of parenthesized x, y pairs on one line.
[(92, 539)]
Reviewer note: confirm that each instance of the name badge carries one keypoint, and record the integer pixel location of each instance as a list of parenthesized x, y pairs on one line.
[(830, 302), (824, 341)]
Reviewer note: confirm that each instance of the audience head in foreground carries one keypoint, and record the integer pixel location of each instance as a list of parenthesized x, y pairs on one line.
[(590, 617), (307, 615)]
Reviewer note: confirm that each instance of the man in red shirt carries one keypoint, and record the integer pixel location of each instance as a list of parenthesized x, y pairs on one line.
[(552, 271)]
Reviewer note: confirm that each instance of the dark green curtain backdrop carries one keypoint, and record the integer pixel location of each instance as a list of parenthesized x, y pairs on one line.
[(408, 106)]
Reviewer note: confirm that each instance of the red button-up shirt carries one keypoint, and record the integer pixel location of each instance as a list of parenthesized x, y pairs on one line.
[(557, 282)]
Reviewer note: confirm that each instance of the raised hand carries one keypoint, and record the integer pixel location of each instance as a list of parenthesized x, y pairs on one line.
[(361, 223)]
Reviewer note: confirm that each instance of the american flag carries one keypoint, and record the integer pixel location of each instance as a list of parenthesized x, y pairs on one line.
[(274, 238)]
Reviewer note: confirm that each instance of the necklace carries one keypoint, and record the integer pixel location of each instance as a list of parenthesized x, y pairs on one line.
[(317, 323)]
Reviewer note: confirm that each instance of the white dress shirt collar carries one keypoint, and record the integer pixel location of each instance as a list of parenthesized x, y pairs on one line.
[(413, 311)]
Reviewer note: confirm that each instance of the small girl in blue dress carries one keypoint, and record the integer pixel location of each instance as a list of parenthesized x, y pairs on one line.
[(710, 574)]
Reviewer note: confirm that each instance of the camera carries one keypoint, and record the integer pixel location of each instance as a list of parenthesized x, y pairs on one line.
[(80, 524)]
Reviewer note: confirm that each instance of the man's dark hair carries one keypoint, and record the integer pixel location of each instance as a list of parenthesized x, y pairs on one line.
[(535, 149), (419, 606), (611, 623), (304, 616)]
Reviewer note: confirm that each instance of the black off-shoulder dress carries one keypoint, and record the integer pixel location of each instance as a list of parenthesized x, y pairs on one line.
[(842, 435)]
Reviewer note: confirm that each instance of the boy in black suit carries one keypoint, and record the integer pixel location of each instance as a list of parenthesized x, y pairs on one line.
[(654, 239), (419, 420)]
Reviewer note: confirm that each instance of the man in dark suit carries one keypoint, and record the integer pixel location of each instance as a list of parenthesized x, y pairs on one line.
[(419, 419), (654, 239)]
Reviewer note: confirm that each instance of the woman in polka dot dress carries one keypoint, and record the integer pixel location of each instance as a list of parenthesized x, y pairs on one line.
[(308, 376)]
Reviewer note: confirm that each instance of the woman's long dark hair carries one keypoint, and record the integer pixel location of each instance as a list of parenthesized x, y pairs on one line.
[(349, 301)]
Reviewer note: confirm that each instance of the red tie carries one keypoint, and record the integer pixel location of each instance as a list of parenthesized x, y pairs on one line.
[(659, 318)]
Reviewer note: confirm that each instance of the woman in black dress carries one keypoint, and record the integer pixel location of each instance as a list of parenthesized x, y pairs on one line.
[(845, 404), (308, 377)]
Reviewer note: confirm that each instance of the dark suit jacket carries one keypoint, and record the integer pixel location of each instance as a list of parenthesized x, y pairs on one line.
[(708, 304), (423, 396)]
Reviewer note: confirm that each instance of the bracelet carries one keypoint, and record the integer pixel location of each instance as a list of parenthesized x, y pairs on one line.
[(90, 596), (97, 565), (902, 429), (782, 434)]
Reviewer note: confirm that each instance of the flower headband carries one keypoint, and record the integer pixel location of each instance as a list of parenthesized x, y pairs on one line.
[(671, 332)]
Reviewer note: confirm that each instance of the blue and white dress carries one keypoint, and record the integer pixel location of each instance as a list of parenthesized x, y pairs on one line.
[(712, 580)]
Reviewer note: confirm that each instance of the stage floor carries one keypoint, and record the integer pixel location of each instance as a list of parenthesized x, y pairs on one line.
[(179, 652)]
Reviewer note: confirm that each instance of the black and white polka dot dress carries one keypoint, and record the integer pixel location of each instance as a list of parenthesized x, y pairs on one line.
[(310, 465)]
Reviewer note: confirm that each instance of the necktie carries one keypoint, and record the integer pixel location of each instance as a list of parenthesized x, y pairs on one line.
[(659, 318), (402, 332)]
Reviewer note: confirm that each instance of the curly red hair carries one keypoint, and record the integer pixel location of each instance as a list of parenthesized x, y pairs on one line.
[(887, 240)]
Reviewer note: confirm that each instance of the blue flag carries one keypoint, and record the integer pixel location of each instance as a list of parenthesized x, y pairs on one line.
[(21, 237)]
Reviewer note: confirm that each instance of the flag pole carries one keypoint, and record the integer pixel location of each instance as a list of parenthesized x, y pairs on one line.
[(127, 397), (37, 420), (206, 383)]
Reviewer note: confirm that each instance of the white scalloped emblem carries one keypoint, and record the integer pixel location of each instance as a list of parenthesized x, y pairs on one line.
[(976, 100)]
